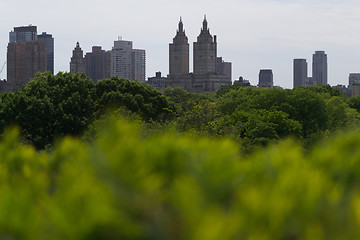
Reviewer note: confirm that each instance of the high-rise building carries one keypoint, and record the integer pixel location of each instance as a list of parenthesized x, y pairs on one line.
[(126, 62), (97, 64), (320, 69), (266, 78), (24, 59), (210, 73), (49, 46), (25, 56), (300, 72), (205, 52), (77, 63), (23, 34), (179, 53)]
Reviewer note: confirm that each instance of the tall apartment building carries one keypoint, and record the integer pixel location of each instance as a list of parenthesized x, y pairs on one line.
[(210, 73), (300, 72), (97, 64), (179, 53), (49, 46), (126, 62), (266, 78), (25, 56), (205, 51), (77, 63), (320, 69)]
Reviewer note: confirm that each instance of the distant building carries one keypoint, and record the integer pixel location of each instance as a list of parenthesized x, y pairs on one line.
[(310, 82), (243, 82), (300, 72), (126, 62), (97, 64), (205, 52), (157, 82), (24, 59), (353, 78), (77, 63), (23, 34), (223, 68), (179, 53), (49, 46), (266, 78), (320, 68), (343, 89), (207, 77)]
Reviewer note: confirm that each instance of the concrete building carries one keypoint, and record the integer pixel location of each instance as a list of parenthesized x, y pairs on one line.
[(157, 82), (205, 52), (320, 69), (300, 72), (126, 62), (179, 53), (206, 77), (23, 34), (49, 46), (77, 63), (97, 64), (223, 68), (24, 60), (266, 78), (353, 78)]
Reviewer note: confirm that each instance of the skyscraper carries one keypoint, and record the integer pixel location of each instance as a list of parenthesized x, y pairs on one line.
[(205, 52), (23, 34), (77, 63), (126, 62), (179, 53), (266, 78), (97, 64), (320, 68), (25, 56), (300, 72), (210, 73), (24, 59), (49, 46)]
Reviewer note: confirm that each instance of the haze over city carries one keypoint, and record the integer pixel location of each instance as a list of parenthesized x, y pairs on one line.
[(253, 35)]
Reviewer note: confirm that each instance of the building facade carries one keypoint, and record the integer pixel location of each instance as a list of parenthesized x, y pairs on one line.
[(23, 34), (300, 72), (49, 46), (126, 62), (97, 64), (206, 76), (266, 78), (320, 69), (179, 53), (205, 52), (157, 82), (24, 60), (77, 63)]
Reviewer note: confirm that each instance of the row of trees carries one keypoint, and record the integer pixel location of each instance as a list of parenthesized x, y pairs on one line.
[(50, 107)]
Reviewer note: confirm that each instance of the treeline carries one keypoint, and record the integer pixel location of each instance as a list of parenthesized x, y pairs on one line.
[(51, 107)]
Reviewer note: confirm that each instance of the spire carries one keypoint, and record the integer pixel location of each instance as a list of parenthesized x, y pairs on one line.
[(181, 26), (205, 23)]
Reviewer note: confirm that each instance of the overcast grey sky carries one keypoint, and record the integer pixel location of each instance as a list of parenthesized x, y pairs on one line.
[(252, 34)]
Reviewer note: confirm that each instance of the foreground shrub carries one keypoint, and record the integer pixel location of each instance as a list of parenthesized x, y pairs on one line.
[(125, 186)]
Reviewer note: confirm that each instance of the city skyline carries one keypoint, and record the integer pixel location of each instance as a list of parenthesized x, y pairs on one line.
[(254, 34)]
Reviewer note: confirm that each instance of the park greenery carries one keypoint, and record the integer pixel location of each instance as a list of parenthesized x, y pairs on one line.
[(121, 160)]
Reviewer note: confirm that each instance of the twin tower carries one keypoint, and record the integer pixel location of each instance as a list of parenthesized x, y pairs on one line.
[(209, 73)]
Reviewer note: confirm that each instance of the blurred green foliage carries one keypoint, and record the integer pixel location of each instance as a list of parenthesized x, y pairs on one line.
[(123, 185)]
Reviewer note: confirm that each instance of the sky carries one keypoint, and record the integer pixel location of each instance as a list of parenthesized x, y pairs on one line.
[(252, 34)]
